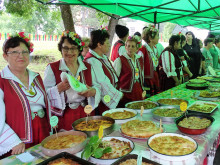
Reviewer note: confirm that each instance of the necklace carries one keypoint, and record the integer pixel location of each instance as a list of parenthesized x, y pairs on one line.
[(30, 91)]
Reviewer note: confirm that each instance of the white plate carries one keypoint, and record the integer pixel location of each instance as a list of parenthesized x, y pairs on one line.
[(121, 121), (145, 110), (171, 157), (110, 161)]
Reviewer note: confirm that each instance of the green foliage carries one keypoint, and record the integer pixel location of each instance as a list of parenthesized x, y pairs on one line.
[(102, 18), (31, 17), (95, 148), (168, 29)]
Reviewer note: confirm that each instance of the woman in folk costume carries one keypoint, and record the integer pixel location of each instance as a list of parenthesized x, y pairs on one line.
[(149, 53), (129, 68), (104, 71), (170, 65), (24, 111), (67, 103)]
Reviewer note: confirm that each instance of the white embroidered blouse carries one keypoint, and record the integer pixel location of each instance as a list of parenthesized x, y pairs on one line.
[(106, 87), (8, 138), (57, 99)]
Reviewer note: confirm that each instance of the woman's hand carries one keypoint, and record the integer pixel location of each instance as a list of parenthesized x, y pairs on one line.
[(89, 92), (190, 75), (177, 83), (18, 149), (63, 86)]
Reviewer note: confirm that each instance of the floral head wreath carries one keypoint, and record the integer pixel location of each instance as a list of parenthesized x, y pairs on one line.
[(152, 28), (180, 34), (135, 38), (27, 39), (104, 28), (75, 37)]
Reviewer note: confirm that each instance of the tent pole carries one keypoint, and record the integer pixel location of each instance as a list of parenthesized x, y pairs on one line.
[(198, 5), (158, 26), (210, 27), (155, 18)]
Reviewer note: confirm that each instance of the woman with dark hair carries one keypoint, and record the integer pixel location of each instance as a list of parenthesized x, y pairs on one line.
[(150, 55), (170, 65), (24, 106), (193, 51), (104, 71), (184, 57), (129, 68), (66, 103)]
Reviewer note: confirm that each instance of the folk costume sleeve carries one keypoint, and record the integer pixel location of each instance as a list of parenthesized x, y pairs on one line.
[(168, 64), (57, 99), (106, 87), (8, 138), (117, 66)]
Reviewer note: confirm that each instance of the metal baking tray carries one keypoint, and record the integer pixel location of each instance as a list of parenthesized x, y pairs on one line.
[(200, 103), (163, 104), (106, 131), (133, 156), (166, 119), (67, 156), (196, 95), (139, 110)]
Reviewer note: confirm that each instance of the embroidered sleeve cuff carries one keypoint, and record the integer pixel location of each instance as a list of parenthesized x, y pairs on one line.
[(57, 99), (8, 140), (94, 101), (169, 74), (114, 100)]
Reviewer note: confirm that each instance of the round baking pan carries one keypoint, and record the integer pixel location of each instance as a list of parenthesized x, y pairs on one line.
[(194, 131), (145, 110), (163, 118), (106, 131), (72, 150)]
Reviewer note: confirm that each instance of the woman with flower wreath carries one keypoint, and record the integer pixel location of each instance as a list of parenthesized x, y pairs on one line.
[(104, 71), (66, 103), (170, 65), (24, 111), (150, 55), (129, 68)]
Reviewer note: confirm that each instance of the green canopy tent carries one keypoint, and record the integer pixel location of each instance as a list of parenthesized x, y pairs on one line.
[(203, 14)]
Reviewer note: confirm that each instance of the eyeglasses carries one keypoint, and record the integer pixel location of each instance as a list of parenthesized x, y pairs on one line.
[(66, 49), (16, 53)]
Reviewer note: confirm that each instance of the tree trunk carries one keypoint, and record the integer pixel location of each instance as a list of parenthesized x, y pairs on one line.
[(67, 18), (111, 28)]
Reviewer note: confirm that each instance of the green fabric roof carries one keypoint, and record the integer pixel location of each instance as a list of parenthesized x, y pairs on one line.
[(203, 14)]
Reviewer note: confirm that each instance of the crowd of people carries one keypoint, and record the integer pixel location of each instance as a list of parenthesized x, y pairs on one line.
[(27, 102)]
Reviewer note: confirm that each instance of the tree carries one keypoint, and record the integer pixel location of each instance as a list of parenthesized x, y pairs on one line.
[(31, 16), (67, 18), (168, 29)]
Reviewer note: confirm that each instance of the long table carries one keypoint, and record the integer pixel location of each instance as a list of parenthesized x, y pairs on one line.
[(205, 141)]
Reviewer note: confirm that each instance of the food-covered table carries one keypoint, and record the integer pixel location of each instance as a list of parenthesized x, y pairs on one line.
[(205, 141)]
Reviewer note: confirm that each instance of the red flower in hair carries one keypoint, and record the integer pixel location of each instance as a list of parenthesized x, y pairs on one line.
[(179, 33), (153, 26), (26, 39), (83, 43), (21, 34)]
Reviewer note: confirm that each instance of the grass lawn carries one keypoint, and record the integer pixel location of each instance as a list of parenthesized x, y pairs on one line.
[(44, 53)]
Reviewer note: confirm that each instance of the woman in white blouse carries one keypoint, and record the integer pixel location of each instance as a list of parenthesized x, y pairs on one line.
[(104, 71), (170, 65), (24, 111), (129, 68), (66, 103)]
